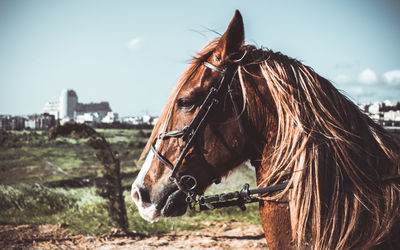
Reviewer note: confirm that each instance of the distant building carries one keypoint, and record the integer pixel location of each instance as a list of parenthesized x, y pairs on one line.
[(8, 122), (101, 109), (375, 108), (2, 122), (52, 108), (385, 113), (111, 117), (392, 115), (68, 103), (42, 121), (139, 120), (88, 118), (69, 109)]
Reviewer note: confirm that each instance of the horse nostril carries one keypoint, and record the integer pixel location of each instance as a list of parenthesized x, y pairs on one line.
[(140, 194), (144, 195), (135, 195)]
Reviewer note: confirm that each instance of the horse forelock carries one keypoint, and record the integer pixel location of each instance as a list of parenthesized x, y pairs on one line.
[(336, 154)]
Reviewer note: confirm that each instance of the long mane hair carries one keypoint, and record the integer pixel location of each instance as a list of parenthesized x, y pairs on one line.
[(337, 157)]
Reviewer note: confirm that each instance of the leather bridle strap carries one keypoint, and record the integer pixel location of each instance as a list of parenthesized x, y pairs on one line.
[(213, 67), (188, 133)]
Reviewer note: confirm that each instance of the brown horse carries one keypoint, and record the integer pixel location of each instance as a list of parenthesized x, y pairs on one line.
[(236, 102)]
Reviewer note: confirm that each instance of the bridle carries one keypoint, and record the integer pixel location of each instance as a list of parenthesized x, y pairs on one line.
[(188, 183)]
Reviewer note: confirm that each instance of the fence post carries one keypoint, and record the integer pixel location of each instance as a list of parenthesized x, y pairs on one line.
[(111, 187)]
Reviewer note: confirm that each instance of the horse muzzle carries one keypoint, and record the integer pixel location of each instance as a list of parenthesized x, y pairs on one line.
[(175, 205), (169, 203)]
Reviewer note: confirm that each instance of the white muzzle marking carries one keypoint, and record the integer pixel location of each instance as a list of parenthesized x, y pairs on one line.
[(146, 210)]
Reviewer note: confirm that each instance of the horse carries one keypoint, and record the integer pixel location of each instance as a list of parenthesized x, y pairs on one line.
[(235, 103)]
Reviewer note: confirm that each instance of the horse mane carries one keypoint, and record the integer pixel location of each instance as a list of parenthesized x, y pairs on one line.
[(336, 155)]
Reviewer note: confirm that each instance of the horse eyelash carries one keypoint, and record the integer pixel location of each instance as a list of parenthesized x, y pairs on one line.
[(183, 104)]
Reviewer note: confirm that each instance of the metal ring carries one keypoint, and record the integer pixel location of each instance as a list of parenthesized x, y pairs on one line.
[(172, 179), (185, 180)]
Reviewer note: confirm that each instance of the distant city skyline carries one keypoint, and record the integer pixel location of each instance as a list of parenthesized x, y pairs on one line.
[(131, 53)]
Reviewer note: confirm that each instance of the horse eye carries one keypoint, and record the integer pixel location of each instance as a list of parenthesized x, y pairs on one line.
[(185, 104)]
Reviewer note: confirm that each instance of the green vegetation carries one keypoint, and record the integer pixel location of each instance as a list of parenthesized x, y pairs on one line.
[(28, 157), (84, 212), (28, 160)]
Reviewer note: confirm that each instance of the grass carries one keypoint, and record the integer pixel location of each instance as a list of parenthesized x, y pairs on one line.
[(30, 158), (27, 157), (33, 203), (84, 212)]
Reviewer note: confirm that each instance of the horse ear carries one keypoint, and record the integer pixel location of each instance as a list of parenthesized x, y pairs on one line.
[(233, 38)]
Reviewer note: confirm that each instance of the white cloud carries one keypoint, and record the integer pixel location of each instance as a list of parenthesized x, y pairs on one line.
[(341, 78), (392, 77), (368, 77), (134, 43)]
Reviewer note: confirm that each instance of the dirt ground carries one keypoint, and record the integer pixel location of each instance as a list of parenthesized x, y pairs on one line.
[(232, 235)]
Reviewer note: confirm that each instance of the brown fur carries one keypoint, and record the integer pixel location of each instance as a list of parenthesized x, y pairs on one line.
[(335, 155)]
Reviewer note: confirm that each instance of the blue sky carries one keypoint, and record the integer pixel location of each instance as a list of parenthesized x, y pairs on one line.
[(131, 53)]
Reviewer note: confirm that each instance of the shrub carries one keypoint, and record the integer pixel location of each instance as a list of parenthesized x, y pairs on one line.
[(35, 199)]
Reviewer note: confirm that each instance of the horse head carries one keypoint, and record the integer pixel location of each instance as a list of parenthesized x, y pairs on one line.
[(218, 145)]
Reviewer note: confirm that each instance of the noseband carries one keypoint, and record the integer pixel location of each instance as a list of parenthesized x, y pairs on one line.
[(188, 183)]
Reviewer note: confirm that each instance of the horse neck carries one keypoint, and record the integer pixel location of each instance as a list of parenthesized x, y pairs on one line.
[(365, 145), (275, 216), (261, 126)]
